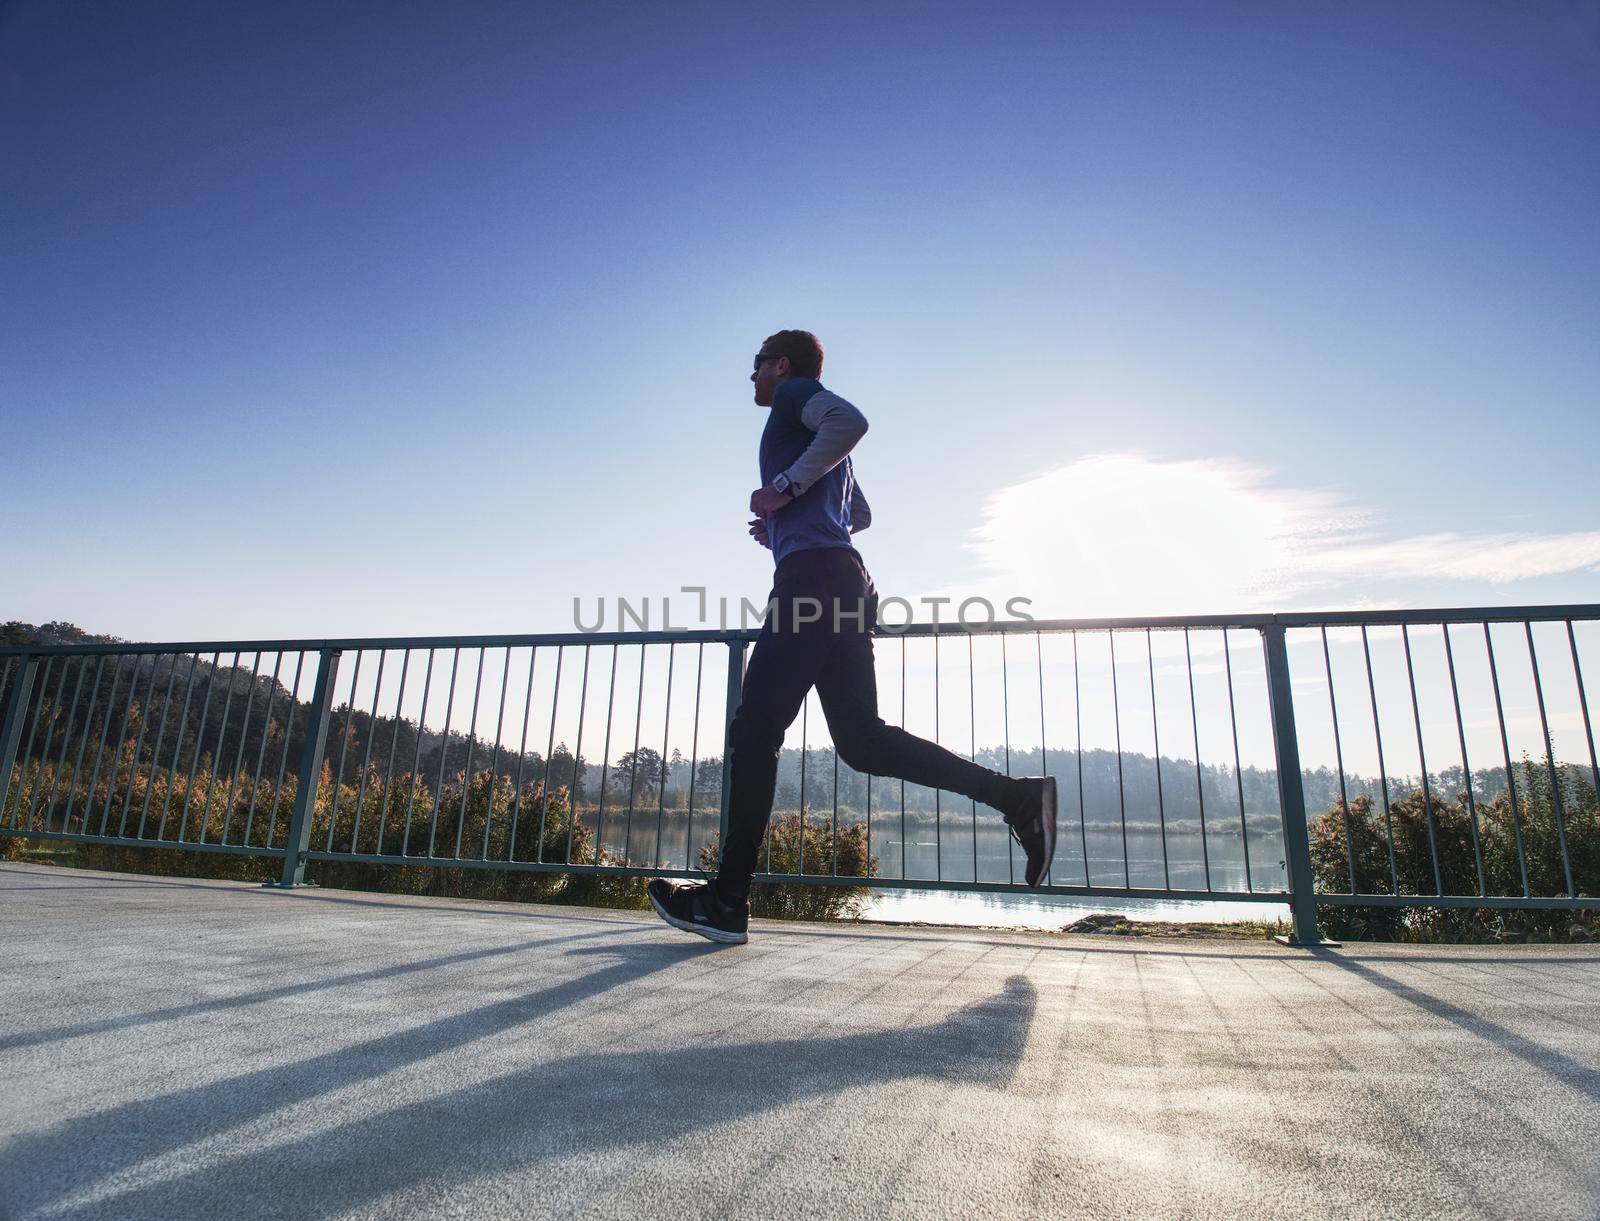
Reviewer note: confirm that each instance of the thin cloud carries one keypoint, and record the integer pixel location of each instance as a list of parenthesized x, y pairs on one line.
[(1122, 534)]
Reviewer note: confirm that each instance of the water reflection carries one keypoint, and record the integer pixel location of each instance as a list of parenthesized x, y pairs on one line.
[(969, 910)]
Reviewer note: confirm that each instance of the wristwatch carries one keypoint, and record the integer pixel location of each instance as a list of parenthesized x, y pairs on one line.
[(782, 483)]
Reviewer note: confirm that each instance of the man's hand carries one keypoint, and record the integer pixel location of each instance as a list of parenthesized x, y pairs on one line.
[(758, 531), (764, 502)]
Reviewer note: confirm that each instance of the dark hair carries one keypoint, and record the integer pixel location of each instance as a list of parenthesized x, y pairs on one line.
[(802, 348)]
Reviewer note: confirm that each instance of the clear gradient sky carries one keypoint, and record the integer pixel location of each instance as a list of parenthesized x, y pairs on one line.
[(399, 317)]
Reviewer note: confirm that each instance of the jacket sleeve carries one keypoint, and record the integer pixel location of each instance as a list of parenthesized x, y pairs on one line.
[(838, 426)]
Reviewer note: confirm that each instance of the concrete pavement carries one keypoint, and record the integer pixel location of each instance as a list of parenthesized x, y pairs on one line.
[(177, 1048)]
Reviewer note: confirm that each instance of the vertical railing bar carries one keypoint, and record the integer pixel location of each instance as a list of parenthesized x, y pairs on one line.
[(1077, 717), (100, 749), (283, 755), (222, 733), (805, 712), (138, 745), (605, 759), (12, 714), (633, 768), (1550, 759), (155, 751), (905, 848), (694, 754), (1199, 770), (261, 754), (522, 755), (7, 714), (394, 748), (1422, 761), (83, 745), (1122, 799), (1338, 755), (575, 790), (1505, 746), (444, 751), (66, 745), (238, 755), (1466, 764), (1005, 726), (199, 741), (1044, 749), (1301, 878), (44, 751), (472, 742), (344, 750), (666, 737), (494, 759), (833, 819), (1238, 766), (732, 700), (1155, 729), (122, 733), (832, 826), (23, 812), (972, 742), (366, 756), (66, 738), (13, 729), (416, 759), (938, 796), (5, 703), (1383, 772), (298, 843), (1583, 703)]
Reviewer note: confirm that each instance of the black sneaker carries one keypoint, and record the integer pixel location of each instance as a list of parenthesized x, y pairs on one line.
[(1031, 815), (695, 907)]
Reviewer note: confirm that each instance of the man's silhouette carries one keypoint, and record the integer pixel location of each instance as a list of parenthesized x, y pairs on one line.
[(818, 633)]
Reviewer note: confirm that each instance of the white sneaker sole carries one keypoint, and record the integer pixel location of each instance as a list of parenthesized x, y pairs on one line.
[(700, 930)]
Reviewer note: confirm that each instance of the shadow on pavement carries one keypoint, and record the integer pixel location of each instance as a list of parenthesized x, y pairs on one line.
[(582, 1103), (32, 1038), (1573, 1073), (78, 1153)]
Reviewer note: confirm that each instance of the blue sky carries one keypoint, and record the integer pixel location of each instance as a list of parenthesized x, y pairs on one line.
[(403, 318)]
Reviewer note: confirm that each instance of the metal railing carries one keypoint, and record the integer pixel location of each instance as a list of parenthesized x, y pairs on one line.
[(1177, 744)]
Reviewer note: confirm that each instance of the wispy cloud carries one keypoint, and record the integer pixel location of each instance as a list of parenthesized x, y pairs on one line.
[(1123, 534)]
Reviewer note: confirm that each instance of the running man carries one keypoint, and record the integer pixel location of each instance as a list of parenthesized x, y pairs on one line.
[(818, 633)]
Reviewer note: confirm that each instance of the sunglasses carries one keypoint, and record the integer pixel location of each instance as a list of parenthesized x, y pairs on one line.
[(762, 358)]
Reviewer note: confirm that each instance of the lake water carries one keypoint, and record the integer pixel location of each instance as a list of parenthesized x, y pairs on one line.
[(975, 909)]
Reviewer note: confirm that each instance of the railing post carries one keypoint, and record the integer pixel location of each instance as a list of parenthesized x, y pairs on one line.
[(1291, 794), (305, 798), (736, 655), (16, 711)]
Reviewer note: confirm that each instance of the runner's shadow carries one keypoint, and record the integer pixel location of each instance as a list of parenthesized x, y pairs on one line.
[(587, 1103)]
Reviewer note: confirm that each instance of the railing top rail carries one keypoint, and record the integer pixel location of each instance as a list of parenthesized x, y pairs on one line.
[(1297, 619)]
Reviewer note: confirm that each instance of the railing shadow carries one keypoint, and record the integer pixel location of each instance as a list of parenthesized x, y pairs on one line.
[(126, 1135), (1572, 1073), (590, 1102)]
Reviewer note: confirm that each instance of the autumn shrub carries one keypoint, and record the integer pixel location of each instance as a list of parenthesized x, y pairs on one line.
[(1351, 853), (798, 843)]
